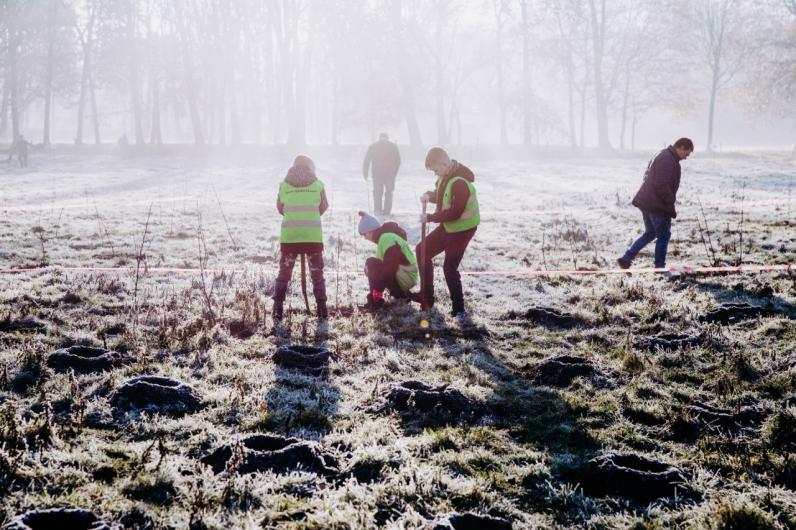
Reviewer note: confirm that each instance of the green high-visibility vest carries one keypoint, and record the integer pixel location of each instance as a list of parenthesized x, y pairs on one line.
[(407, 274), (301, 219), (471, 215)]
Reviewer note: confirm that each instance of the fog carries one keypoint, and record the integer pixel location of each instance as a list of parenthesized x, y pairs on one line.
[(606, 74)]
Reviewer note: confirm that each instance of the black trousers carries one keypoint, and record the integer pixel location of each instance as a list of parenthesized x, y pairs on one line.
[(380, 278), (286, 262), (453, 245), (383, 186)]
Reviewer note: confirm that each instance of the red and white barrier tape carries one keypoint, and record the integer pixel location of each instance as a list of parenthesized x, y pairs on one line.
[(678, 270)]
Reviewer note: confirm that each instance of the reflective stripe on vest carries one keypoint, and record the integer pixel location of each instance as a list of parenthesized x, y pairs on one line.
[(301, 217), (406, 276), (471, 216)]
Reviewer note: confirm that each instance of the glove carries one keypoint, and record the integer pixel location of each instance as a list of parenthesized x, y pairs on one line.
[(425, 218)]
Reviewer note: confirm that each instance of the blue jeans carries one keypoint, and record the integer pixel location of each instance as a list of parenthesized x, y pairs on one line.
[(657, 226)]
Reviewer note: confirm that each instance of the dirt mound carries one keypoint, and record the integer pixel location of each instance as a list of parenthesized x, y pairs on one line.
[(559, 371), (24, 324), (546, 316), (697, 418), (469, 521), (669, 342), (414, 396), (240, 329), (159, 395), (312, 360), (732, 313), (262, 452), (82, 359), (370, 470), (59, 518), (631, 475), (725, 418)]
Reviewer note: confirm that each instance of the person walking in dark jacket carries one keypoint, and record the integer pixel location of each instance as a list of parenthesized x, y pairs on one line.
[(301, 202), (656, 199), (458, 216), (383, 161), (393, 268)]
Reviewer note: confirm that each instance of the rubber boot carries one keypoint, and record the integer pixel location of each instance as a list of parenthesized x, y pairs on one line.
[(279, 300)]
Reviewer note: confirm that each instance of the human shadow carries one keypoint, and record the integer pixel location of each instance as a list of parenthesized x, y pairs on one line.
[(302, 401)]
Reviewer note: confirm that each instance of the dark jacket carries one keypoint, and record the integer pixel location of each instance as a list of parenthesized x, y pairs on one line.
[(385, 160), (658, 192), (301, 177), (460, 194), (394, 256)]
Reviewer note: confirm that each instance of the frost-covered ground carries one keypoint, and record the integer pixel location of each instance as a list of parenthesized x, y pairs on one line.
[(524, 457)]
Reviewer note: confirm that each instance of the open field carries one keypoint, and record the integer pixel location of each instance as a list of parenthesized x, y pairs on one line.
[(714, 407)]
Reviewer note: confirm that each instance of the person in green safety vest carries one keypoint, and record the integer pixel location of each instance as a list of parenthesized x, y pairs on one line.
[(458, 216), (394, 267), (301, 202)]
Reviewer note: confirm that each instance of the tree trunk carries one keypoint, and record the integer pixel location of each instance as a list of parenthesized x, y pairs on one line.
[(583, 117), (504, 138), (335, 89), (598, 48), (711, 112), (94, 114), (297, 75), (135, 88), (526, 75), (48, 81), (13, 74), (4, 107), (406, 83), (155, 137), (439, 79), (81, 105), (190, 87), (234, 119), (625, 99), (571, 100)]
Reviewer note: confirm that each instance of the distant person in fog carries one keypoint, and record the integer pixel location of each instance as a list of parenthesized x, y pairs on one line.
[(382, 161), (19, 148)]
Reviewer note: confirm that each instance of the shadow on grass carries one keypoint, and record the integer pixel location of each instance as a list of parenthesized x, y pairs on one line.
[(298, 400), (758, 294)]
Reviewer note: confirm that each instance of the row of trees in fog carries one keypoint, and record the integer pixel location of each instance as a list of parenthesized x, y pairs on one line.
[(574, 72)]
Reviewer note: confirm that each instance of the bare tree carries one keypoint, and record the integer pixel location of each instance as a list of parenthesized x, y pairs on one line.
[(500, 11), (185, 32), (598, 21), (718, 28), (85, 29), (403, 74)]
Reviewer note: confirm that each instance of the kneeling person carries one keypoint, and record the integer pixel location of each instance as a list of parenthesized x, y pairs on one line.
[(394, 267)]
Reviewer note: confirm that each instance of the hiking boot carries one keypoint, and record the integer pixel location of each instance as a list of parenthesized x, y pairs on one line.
[(624, 263), (322, 313)]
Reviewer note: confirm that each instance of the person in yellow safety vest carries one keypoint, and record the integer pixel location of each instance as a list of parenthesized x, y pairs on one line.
[(301, 201), (394, 267), (458, 216)]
